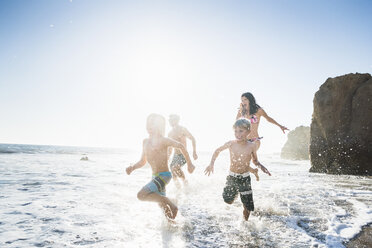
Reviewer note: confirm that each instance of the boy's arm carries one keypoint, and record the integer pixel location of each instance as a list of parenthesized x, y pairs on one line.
[(189, 135), (140, 163), (178, 145), (271, 120), (210, 168), (257, 163)]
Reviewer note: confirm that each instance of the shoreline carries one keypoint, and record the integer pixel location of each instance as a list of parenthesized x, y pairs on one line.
[(363, 239)]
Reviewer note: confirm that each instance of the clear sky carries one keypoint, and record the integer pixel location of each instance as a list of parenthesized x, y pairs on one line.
[(88, 73)]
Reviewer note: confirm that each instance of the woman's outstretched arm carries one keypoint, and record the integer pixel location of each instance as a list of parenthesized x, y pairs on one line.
[(271, 120)]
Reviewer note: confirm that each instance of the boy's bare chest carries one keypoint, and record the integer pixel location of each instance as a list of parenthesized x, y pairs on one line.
[(238, 150), (177, 134), (155, 148)]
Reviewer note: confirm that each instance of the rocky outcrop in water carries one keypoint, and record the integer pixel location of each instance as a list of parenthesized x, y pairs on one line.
[(341, 128), (297, 145)]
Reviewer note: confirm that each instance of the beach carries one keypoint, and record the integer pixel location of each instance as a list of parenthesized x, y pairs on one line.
[(51, 198)]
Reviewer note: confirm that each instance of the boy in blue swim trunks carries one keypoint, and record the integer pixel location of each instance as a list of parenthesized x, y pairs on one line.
[(155, 149), (239, 180)]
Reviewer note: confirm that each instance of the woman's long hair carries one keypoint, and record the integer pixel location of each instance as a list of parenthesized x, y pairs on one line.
[(253, 106)]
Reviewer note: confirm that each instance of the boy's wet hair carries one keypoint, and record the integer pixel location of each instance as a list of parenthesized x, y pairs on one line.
[(243, 123), (157, 122)]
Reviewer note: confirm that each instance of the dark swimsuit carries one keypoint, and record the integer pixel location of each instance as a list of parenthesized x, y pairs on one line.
[(239, 183), (178, 159)]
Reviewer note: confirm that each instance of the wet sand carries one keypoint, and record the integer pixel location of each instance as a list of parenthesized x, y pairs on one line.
[(363, 239)]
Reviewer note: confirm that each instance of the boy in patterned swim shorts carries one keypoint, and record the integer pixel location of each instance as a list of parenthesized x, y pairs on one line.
[(155, 149), (180, 134), (238, 180)]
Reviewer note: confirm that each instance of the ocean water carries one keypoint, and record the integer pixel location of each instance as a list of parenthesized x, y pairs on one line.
[(51, 198)]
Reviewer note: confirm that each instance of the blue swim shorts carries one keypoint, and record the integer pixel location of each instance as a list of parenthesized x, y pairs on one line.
[(158, 183)]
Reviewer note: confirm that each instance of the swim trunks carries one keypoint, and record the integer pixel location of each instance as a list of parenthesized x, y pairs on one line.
[(158, 183), (239, 183), (178, 159)]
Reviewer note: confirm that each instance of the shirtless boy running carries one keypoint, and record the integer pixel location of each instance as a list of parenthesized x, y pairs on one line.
[(179, 133), (238, 180), (155, 149)]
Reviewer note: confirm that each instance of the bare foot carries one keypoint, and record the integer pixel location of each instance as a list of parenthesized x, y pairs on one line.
[(246, 213), (166, 210), (174, 210)]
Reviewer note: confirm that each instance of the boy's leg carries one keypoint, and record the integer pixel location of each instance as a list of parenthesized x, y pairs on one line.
[(230, 191), (246, 212), (155, 191), (178, 173), (167, 211), (246, 196), (176, 165), (164, 201), (175, 175)]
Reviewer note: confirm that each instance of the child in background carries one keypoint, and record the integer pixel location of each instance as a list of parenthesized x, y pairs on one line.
[(180, 134)]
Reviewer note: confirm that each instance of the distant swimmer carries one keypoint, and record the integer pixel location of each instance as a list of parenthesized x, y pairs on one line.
[(155, 152), (85, 158), (179, 133), (250, 110), (239, 181)]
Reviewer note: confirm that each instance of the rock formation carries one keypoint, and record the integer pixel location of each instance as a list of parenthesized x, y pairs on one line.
[(297, 145), (341, 128)]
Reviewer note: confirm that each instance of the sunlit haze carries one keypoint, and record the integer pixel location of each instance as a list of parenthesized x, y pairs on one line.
[(87, 73)]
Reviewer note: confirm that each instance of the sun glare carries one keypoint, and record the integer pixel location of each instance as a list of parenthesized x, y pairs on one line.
[(158, 72)]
